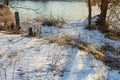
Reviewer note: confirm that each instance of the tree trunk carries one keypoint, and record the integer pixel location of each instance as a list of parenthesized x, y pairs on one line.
[(103, 8), (89, 15)]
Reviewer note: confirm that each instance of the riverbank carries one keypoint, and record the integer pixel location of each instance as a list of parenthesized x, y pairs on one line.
[(59, 50)]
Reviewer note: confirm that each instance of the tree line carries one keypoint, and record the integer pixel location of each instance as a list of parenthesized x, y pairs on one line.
[(104, 6)]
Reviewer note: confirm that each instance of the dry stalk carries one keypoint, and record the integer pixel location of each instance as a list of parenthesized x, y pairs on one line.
[(86, 47)]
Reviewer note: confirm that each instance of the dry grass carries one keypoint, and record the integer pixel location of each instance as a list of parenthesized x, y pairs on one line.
[(51, 21), (112, 62), (6, 18), (108, 48), (66, 40), (110, 33), (113, 34), (8, 21), (39, 18)]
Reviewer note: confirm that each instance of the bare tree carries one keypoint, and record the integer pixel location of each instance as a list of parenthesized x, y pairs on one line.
[(103, 5)]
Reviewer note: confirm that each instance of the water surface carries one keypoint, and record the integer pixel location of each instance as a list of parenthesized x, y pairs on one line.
[(67, 10)]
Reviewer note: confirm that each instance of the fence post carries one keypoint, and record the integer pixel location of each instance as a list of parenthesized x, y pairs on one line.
[(6, 2), (17, 19), (30, 32)]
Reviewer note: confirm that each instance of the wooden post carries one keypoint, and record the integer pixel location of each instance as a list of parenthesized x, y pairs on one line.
[(17, 19), (90, 14), (6, 2), (30, 32)]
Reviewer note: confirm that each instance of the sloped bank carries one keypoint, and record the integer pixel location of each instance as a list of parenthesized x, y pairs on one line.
[(91, 41), (36, 56)]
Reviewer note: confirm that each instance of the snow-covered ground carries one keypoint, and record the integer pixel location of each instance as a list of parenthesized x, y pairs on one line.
[(74, 30), (23, 58)]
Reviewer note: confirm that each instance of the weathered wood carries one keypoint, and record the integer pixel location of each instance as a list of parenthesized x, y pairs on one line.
[(90, 13), (30, 32), (6, 2), (17, 19)]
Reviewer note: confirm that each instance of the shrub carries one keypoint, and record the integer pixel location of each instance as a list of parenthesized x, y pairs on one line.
[(51, 21), (6, 19)]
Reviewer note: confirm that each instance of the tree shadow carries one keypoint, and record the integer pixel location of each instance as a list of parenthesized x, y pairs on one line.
[(78, 66)]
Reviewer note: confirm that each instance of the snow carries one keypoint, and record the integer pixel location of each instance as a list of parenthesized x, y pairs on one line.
[(37, 59), (81, 68), (74, 30)]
